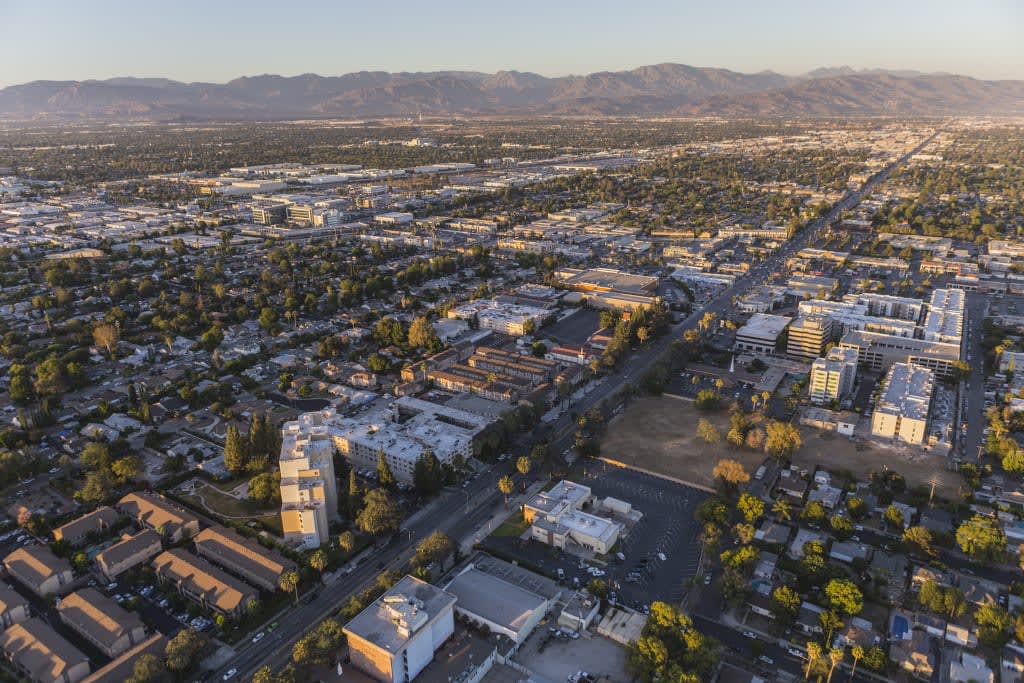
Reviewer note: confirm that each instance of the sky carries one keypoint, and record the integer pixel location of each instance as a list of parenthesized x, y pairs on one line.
[(217, 40)]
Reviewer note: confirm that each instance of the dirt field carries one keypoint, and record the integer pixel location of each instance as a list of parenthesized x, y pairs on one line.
[(659, 434)]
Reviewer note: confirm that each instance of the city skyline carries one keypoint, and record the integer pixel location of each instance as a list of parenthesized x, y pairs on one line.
[(191, 42)]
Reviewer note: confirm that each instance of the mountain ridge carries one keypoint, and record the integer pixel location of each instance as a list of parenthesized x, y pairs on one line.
[(656, 89)]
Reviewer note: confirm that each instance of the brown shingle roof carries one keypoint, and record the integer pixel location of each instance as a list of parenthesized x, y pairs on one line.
[(131, 545), (76, 529), (120, 669), (156, 511), (36, 648), (200, 577), (10, 598), (34, 564), (97, 617), (242, 556)]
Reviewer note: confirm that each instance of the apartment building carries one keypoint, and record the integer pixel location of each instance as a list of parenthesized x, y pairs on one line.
[(77, 530), (39, 654), (832, 377), (14, 608), (761, 333), (945, 319), (101, 621), (511, 319), (201, 582), (902, 409), (38, 569), (245, 558), (131, 551), (768, 231), (155, 512), (309, 495), (122, 667), (809, 335), (879, 351), (395, 638)]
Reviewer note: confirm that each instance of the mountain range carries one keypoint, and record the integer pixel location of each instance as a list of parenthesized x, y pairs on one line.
[(661, 89)]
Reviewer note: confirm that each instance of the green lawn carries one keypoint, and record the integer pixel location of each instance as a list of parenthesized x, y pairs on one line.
[(514, 526)]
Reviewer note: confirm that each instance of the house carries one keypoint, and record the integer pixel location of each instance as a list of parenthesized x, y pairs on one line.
[(761, 604), (101, 621), (892, 568), (129, 552), (1012, 663), (156, 512), (961, 635), (968, 667), (13, 607), (252, 562), (773, 533), (803, 537), (846, 551), (808, 619), (937, 520), (122, 668), (39, 570), (915, 655), (980, 591), (396, 637), (76, 532), (857, 631), (792, 485), (922, 574), (37, 652), (200, 581)]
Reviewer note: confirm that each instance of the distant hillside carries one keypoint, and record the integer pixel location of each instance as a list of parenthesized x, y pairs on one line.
[(658, 89)]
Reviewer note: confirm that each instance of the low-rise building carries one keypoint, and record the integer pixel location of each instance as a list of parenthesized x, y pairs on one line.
[(101, 621), (257, 565), (200, 581), (902, 409), (129, 552), (761, 333), (13, 607), (396, 637), (557, 519), (163, 516), (77, 530), (122, 668), (38, 653), (39, 570)]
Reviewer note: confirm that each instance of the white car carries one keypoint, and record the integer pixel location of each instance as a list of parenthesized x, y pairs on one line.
[(230, 674), (750, 634), (258, 637)]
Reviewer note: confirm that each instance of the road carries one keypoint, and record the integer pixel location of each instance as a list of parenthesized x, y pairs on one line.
[(972, 400), (459, 520)]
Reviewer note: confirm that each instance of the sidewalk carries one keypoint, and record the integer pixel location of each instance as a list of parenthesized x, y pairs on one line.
[(498, 515)]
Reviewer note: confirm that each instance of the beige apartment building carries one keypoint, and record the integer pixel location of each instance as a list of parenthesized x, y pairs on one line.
[(101, 621), (200, 581), (42, 656), (163, 516), (39, 570), (902, 409), (259, 566), (129, 552), (13, 607), (122, 668), (76, 531), (832, 377)]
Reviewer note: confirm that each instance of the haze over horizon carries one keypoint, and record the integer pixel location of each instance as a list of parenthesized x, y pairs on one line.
[(196, 42)]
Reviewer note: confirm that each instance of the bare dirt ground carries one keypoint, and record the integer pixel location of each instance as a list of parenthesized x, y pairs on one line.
[(659, 434)]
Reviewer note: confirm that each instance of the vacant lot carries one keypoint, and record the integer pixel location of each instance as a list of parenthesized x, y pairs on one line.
[(659, 434)]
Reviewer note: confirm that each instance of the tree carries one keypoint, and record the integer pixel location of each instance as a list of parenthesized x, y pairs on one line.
[(127, 468), (875, 659), (347, 541), (428, 475), (95, 456), (813, 513), (506, 485), (731, 472), (707, 400), (994, 625), (289, 583), (751, 507), (318, 561), (920, 538), (355, 495), (183, 649), (829, 621), (785, 604), (712, 511), (523, 464), (982, 538), (842, 527), (813, 658), (782, 439), (148, 668), (708, 432), (236, 455), (384, 474), (835, 656), (857, 652), (105, 335), (422, 335), (782, 509), (380, 513), (268, 319), (894, 516), (598, 587), (320, 645), (435, 548), (98, 487), (265, 488), (845, 596), (857, 508)]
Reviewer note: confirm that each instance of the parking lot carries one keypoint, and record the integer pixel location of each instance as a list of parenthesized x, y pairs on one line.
[(667, 530), (554, 659), (574, 329)]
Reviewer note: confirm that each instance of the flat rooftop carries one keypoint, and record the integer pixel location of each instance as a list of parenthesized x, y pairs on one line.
[(394, 617), (494, 599), (607, 279), (908, 391), (764, 326)]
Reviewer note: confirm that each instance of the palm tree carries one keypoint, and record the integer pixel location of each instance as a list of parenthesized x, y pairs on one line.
[(318, 561), (289, 581), (506, 485), (835, 655), (857, 652), (782, 509), (813, 655), (523, 465), (753, 402), (765, 395)]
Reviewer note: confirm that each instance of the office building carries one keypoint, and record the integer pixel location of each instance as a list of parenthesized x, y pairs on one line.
[(809, 335), (557, 519), (902, 409), (832, 377), (396, 637), (878, 352), (761, 333)]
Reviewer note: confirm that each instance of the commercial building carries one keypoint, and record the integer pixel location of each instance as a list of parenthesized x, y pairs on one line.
[(95, 522), (902, 409), (156, 512), (396, 637), (557, 519), (808, 336), (761, 333), (856, 314), (200, 581), (879, 351), (507, 599), (768, 231), (507, 318), (811, 286), (832, 377), (38, 653), (13, 607), (608, 288), (129, 552), (255, 564), (101, 621), (38, 569)]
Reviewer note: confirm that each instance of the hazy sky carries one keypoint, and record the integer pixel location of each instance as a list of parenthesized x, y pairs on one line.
[(217, 40)]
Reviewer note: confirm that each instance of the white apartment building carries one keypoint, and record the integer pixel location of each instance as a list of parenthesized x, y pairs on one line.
[(309, 493), (832, 377), (945, 319), (511, 319), (902, 409)]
